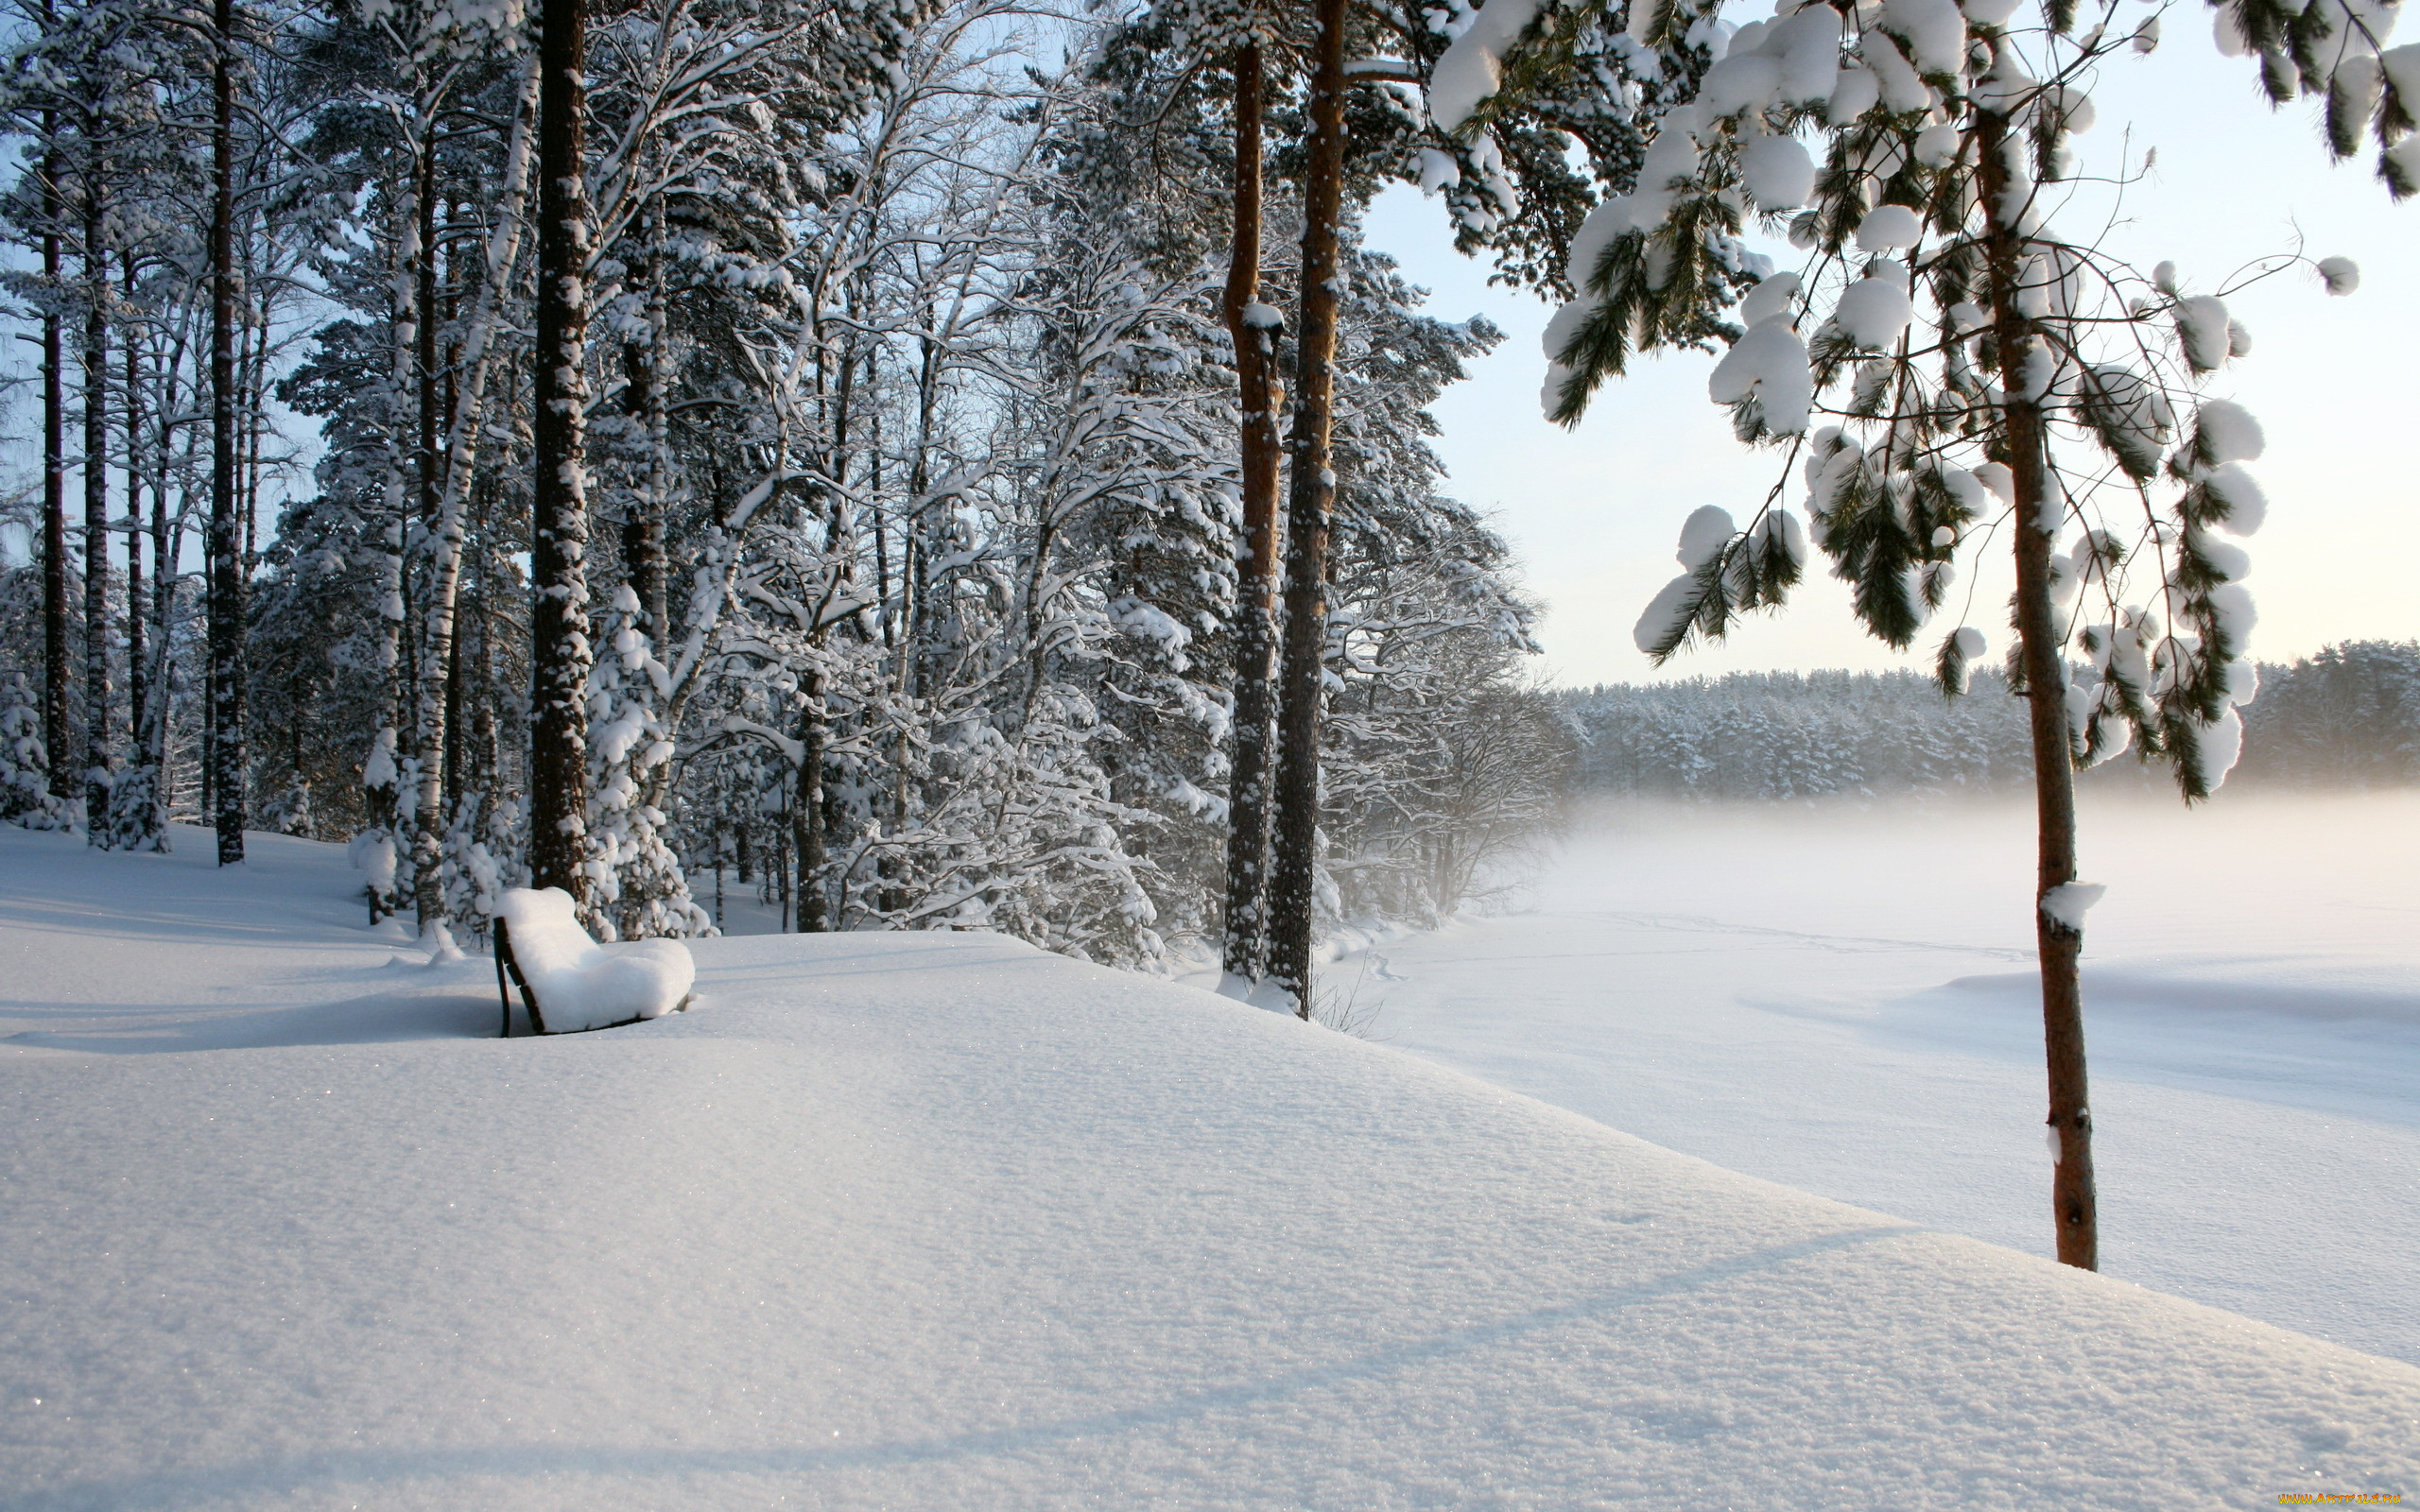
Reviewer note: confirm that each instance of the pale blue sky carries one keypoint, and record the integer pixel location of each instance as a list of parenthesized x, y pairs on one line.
[(2335, 382)]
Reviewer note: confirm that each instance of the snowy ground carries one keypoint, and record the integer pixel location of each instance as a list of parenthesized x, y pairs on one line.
[(1843, 1002), (940, 1222)]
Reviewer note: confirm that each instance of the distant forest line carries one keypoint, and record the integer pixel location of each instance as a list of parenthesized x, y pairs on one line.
[(2348, 717)]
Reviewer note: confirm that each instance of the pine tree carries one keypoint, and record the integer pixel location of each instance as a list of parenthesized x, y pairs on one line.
[(25, 797), (1978, 362), (635, 887)]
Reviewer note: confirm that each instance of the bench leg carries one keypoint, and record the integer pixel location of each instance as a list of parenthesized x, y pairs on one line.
[(504, 963), (502, 945)]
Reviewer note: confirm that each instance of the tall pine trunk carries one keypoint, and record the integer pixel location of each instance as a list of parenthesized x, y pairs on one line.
[(1245, 950), (558, 616), (226, 566), (2026, 453), (1309, 504), (97, 829)]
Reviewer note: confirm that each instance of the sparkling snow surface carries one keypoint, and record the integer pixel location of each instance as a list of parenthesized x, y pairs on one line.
[(940, 1222), (1845, 1001)]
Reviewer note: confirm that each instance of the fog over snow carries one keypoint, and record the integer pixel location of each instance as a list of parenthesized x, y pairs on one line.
[(1843, 998)]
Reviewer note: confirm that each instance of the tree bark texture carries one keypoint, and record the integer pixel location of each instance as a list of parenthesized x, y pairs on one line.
[(1309, 504), (2026, 453), (226, 565), (1245, 952), (558, 616)]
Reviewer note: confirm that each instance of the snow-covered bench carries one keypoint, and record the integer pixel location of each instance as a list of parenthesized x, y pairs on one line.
[(570, 983)]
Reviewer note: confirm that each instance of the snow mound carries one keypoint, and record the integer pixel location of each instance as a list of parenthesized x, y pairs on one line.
[(582, 984)]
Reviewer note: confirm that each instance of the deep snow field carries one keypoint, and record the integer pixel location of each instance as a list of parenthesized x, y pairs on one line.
[(1843, 1000), (942, 1222)]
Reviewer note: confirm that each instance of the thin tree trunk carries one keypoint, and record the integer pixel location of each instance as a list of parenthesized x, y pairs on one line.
[(894, 620), (166, 548), (446, 484), (558, 615), (1312, 499), (485, 742), (226, 574), (383, 773), (1245, 950), (455, 743), (96, 518), (138, 685), (807, 821), (425, 333), (890, 897), (644, 409), (401, 651), (644, 401), (206, 804), (2027, 456), (450, 746), (433, 660), (251, 382), (55, 712)]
